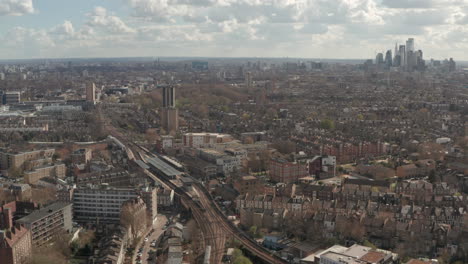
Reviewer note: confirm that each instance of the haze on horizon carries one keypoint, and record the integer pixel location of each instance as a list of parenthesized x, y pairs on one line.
[(344, 29)]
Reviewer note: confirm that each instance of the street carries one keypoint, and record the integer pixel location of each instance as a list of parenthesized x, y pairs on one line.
[(156, 231)]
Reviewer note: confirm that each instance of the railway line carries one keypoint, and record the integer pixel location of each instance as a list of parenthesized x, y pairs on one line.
[(215, 224)]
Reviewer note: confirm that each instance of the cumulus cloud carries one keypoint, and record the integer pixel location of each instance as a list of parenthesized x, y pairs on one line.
[(409, 3), (309, 28), (16, 7), (64, 29), (111, 24)]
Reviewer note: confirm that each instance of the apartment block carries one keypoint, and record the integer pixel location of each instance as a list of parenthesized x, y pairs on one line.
[(203, 140), (53, 171), (101, 204), (48, 221), (15, 245), (284, 171), (10, 159)]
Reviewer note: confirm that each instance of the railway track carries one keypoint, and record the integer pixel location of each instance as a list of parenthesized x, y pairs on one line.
[(218, 225), (213, 223)]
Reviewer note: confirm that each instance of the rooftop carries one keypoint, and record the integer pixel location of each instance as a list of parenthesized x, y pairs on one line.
[(41, 213), (163, 166)]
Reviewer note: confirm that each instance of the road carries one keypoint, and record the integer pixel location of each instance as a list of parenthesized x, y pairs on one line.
[(157, 231)]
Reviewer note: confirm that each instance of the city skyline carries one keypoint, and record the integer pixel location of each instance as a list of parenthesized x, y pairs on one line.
[(208, 28)]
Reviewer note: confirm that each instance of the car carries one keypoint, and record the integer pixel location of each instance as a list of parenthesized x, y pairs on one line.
[(146, 239), (140, 254)]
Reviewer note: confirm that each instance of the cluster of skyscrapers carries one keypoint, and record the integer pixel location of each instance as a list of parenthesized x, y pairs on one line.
[(405, 57)]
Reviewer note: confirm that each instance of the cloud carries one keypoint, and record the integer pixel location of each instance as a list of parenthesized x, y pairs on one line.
[(409, 3), (308, 28), (16, 7), (64, 29), (100, 18)]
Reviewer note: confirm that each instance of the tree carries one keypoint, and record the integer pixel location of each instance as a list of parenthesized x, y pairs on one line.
[(253, 231), (285, 147), (14, 172), (327, 124), (367, 243), (242, 260), (133, 218), (239, 258)]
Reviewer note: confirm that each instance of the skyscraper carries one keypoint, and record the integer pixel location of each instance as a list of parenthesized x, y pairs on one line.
[(410, 45), (91, 92), (169, 113), (168, 96), (379, 59), (452, 66), (388, 59), (402, 53), (248, 80)]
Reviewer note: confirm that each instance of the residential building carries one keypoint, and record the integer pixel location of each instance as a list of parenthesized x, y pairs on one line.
[(420, 168), (322, 166), (165, 198), (81, 156), (16, 160), (248, 184), (205, 140), (15, 245), (53, 171), (48, 221), (356, 254), (11, 98), (287, 172), (91, 92), (101, 203), (169, 112), (150, 196)]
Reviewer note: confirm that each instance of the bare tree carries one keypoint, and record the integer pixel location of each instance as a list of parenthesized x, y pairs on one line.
[(133, 218)]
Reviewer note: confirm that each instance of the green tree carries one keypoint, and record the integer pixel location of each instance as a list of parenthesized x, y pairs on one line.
[(367, 243), (253, 231), (327, 124), (239, 258), (242, 260)]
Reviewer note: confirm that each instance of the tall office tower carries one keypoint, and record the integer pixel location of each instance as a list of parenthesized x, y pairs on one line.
[(452, 66), (248, 80), (91, 92), (388, 59), (420, 63), (411, 60), (168, 96), (410, 45), (379, 59), (169, 113), (397, 61), (402, 53)]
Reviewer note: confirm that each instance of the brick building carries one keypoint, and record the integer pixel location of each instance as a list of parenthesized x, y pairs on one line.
[(284, 171), (15, 245)]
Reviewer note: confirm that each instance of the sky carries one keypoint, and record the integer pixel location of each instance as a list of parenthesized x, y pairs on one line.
[(344, 29)]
